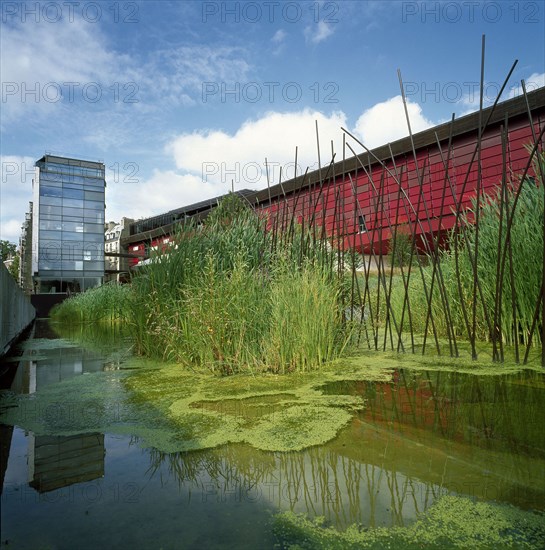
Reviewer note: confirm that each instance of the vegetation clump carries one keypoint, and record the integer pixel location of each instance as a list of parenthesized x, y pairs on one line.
[(107, 304), (235, 296), (451, 522)]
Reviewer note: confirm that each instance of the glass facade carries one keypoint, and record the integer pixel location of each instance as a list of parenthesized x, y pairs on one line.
[(69, 241)]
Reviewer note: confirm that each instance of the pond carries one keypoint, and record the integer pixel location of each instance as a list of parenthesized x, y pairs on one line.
[(96, 453)]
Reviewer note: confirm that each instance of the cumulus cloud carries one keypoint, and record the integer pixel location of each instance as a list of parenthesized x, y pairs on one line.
[(221, 157), (385, 122), (209, 161)]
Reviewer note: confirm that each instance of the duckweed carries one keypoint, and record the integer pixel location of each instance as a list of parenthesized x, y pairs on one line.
[(451, 522)]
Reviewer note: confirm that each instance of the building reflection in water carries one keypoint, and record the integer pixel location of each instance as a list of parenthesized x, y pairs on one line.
[(56, 461)]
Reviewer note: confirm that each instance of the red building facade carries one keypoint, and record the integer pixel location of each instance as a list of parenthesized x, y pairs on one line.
[(419, 186)]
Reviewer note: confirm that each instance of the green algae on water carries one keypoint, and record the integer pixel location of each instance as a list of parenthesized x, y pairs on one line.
[(297, 428), (174, 409), (171, 409), (451, 522)]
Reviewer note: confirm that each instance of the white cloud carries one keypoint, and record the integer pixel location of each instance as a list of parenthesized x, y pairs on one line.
[(15, 193), (279, 41), (279, 36), (179, 76), (165, 190), (533, 82), (44, 65), (318, 33), (470, 100), (208, 160), (70, 62), (221, 157), (385, 122)]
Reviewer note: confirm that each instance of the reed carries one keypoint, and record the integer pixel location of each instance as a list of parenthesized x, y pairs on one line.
[(105, 304), (236, 295)]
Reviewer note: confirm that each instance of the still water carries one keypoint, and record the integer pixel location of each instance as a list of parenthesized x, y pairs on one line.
[(421, 436)]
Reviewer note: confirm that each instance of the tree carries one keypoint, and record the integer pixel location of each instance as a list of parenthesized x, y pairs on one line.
[(14, 267), (7, 249)]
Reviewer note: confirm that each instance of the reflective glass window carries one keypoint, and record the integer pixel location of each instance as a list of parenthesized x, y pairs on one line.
[(50, 225), (49, 250), (50, 235), (94, 196), (50, 201), (46, 264), (72, 203), (94, 228), (72, 236), (93, 265), (94, 205), (47, 191), (73, 212), (94, 216), (49, 209), (94, 237), (69, 193)]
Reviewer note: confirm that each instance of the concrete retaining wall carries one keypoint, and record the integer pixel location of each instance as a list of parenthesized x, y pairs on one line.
[(16, 311)]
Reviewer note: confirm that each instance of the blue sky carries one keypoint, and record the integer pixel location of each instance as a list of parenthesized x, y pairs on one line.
[(181, 100)]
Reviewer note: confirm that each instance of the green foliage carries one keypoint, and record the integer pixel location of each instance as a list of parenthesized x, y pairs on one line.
[(517, 293), (7, 249), (105, 304), (234, 296), (523, 253), (400, 247), (14, 267)]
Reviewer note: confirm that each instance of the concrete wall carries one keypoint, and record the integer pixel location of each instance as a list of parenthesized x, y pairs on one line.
[(16, 311)]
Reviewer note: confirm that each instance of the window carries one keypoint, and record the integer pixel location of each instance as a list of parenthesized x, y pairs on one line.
[(72, 194), (361, 224), (46, 191), (50, 201)]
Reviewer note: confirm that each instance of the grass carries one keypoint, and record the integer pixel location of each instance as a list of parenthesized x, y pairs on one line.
[(105, 304), (236, 296), (504, 300), (244, 293)]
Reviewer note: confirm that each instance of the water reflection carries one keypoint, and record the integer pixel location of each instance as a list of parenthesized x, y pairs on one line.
[(53, 461), (56, 462), (420, 436), (318, 482), (494, 412)]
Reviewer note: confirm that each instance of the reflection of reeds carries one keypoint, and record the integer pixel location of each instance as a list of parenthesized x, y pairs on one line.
[(422, 436)]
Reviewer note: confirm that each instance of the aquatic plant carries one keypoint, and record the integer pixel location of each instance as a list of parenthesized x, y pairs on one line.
[(236, 296), (104, 304), (451, 522)]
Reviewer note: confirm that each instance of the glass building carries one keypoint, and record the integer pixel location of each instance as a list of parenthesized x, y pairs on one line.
[(68, 225)]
